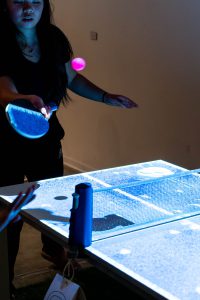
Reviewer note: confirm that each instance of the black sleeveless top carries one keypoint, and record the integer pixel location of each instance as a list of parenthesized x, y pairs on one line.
[(36, 78)]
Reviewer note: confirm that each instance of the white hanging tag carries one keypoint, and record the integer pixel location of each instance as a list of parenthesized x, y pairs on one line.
[(62, 288)]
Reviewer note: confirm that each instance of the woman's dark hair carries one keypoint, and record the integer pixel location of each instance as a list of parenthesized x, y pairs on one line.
[(49, 46)]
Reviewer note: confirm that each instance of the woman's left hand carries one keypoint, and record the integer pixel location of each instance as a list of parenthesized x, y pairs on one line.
[(10, 213), (119, 100)]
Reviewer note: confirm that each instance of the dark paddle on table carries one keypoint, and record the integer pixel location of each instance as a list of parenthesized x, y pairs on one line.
[(26, 120)]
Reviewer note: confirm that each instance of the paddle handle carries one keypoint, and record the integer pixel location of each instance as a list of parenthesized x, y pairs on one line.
[(53, 106)]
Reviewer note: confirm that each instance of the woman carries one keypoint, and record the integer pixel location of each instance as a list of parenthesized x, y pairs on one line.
[(35, 65)]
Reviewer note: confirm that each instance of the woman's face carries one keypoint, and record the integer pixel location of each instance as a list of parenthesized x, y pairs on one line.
[(25, 14)]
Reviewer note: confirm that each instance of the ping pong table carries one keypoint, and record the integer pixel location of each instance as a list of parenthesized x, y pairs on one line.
[(146, 223)]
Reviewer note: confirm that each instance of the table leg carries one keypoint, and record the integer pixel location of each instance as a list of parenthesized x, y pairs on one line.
[(4, 275)]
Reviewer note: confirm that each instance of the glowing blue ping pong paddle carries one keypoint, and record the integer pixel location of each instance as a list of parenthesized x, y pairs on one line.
[(26, 120)]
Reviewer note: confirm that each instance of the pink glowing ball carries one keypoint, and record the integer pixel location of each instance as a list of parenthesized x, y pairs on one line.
[(78, 64)]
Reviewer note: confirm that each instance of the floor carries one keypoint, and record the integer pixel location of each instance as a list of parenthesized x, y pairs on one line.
[(33, 274)]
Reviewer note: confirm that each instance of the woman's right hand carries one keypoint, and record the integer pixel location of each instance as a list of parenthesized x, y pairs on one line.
[(8, 93), (38, 103)]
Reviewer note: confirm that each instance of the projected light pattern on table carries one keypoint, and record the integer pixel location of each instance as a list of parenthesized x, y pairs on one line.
[(148, 204), (137, 172), (175, 195), (146, 223), (117, 210), (53, 200), (160, 257)]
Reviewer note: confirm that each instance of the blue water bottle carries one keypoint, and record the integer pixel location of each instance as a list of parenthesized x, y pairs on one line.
[(80, 230)]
